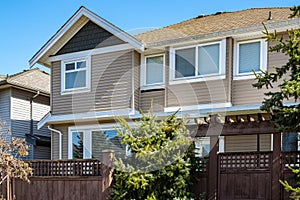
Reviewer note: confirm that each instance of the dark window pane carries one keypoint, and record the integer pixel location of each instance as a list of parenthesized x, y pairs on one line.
[(185, 63), (249, 57), (75, 80), (106, 140), (81, 65), (208, 59), (70, 66), (289, 141), (77, 143)]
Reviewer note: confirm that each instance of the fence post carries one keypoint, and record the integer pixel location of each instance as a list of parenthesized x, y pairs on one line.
[(276, 166), (107, 171), (213, 168)]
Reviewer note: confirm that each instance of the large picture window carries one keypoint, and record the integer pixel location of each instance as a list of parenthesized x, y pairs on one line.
[(75, 75), (199, 61), (250, 56), (89, 143)]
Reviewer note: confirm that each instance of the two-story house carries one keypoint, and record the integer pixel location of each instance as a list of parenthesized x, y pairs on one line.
[(200, 66), (24, 100)]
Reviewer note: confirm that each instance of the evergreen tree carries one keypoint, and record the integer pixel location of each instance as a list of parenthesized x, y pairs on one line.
[(159, 166), (286, 116)]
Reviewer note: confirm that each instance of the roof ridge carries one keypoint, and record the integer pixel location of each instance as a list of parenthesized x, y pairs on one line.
[(25, 71), (209, 15)]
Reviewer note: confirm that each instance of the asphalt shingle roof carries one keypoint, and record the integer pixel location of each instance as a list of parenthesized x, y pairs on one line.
[(34, 79), (216, 23)]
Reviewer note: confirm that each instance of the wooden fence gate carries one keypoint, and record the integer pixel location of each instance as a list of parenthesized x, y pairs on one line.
[(245, 176)]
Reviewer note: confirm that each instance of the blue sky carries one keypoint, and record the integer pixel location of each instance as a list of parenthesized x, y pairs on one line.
[(27, 24)]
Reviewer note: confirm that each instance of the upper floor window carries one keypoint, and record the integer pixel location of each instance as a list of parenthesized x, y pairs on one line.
[(199, 61), (250, 56), (75, 75), (153, 72)]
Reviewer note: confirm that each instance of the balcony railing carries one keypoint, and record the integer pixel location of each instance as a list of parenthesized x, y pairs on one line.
[(66, 167)]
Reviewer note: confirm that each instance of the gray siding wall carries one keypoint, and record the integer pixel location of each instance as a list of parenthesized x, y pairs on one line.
[(20, 112), (111, 85), (5, 109), (90, 36), (20, 115), (42, 153)]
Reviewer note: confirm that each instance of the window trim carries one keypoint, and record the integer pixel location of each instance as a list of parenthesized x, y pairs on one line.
[(222, 62), (263, 58), (143, 73), (87, 135), (87, 78)]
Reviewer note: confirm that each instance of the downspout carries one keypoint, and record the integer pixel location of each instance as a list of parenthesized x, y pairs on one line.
[(60, 140), (31, 123), (31, 111)]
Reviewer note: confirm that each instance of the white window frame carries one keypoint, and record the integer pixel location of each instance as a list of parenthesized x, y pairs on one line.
[(263, 58), (144, 85), (87, 74), (196, 78), (87, 137)]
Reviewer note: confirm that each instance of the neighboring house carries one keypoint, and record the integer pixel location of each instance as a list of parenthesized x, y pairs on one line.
[(24, 100)]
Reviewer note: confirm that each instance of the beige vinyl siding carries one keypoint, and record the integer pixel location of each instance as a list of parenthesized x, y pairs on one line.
[(137, 67), (229, 67), (111, 85), (156, 97), (245, 143), (55, 141), (203, 92), (243, 93), (197, 93)]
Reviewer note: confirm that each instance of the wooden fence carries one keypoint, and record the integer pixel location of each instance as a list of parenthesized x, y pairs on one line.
[(66, 179), (247, 175), (66, 168)]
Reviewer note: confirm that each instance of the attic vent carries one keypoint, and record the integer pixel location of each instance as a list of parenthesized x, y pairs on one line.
[(270, 15), (218, 13)]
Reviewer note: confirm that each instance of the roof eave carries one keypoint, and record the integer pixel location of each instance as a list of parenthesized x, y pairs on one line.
[(6, 84)]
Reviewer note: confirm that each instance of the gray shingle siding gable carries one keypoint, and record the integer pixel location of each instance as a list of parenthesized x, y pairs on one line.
[(90, 36)]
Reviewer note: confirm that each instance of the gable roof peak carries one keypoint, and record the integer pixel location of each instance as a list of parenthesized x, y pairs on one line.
[(42, 55)]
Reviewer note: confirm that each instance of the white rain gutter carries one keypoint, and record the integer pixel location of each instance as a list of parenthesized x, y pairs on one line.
[(60, 140)]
